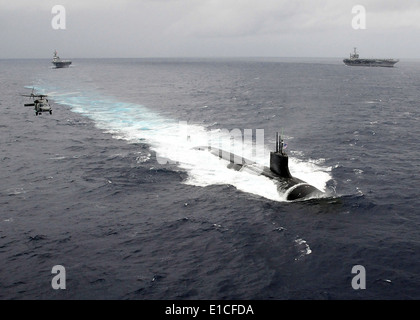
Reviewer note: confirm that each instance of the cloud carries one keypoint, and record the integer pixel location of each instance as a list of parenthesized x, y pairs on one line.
[(232, 18), (202, 27), (241, 18)]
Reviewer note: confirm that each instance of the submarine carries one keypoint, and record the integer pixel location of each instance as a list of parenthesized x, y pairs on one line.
[(292, 187)]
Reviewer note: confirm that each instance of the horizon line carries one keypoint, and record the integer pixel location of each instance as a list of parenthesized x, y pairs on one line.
[(202, 57)]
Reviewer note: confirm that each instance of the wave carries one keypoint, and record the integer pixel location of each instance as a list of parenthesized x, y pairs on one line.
[(174, 141)]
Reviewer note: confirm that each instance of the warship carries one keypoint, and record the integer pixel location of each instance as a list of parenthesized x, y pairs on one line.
[(60, 63), (356, 61)]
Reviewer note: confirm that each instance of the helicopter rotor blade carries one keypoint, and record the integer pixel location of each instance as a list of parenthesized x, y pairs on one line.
[(34, 95), (29, 104)]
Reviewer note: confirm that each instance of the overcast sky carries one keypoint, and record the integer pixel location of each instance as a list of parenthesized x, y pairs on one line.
[(209, 28)]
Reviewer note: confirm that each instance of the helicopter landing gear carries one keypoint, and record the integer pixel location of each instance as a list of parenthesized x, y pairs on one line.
[(50, 111)]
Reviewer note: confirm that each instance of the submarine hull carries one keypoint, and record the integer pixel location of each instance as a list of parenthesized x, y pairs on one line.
[(303, 191), (293, 188)]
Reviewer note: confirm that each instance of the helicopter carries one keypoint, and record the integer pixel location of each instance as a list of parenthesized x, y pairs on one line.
[(40, 103)]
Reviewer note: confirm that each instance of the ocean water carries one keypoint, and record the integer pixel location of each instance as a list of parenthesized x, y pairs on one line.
[(110, 186)]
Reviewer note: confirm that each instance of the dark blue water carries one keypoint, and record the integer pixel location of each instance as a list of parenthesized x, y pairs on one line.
[(84, 187)]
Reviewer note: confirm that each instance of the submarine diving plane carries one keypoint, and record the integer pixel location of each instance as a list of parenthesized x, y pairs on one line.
[(292, 187)]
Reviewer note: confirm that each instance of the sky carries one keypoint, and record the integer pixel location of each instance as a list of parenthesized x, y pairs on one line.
[(209, 28)]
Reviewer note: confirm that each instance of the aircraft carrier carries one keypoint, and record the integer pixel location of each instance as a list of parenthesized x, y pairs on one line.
[(60, 63), (356, 61)]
